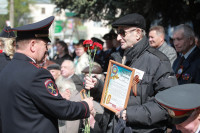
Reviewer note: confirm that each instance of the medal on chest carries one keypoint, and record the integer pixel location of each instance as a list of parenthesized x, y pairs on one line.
[(179, 72), (185, 76)]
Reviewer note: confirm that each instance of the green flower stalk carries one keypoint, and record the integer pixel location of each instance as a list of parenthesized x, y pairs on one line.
[(89, 47)]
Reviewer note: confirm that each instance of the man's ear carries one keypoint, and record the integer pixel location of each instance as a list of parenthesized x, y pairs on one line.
[(138, 35), (32, 44), (191, 41)]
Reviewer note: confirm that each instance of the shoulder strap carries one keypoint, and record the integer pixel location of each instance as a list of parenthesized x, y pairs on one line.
[(157, 53)]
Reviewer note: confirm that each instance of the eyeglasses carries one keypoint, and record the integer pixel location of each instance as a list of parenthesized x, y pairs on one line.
[(123, 33)]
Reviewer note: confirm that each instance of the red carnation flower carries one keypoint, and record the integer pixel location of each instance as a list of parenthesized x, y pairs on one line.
[(92, 47), (98, 45), (85, 49), (88, 42)]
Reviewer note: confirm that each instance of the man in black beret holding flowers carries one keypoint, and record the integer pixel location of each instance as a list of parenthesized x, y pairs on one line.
[(143, 114)]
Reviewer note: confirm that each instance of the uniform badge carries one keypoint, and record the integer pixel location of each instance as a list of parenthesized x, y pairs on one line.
[(51, 87)]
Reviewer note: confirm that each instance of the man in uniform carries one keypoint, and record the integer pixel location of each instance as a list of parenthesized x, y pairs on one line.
[(143, 114), (30, 99), (183, 104)]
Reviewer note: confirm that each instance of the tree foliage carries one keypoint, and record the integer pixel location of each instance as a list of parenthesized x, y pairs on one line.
[(166, 12), (21, 10)]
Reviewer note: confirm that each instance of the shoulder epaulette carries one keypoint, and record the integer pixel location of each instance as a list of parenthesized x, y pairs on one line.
[(36, 65), (157, 53)]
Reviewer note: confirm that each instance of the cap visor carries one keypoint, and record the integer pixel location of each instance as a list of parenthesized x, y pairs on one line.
[(179, 120)]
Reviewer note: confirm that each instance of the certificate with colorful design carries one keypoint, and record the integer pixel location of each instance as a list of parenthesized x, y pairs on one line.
[(117, 87)]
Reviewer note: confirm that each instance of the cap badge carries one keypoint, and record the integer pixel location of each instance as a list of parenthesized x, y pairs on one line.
[(51, 87), (171, 112)]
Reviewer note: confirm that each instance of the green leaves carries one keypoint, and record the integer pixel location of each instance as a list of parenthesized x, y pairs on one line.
[(168, 12)]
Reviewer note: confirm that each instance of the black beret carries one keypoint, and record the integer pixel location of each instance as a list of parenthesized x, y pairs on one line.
[(180, 101), (36, 30), (133, 20), (96, 70), (7, 32), (80, 43), (94, 39), (107, 36), (111, 35), (53, 67)]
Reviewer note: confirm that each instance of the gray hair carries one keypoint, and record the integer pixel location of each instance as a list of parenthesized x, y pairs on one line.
[(63, 84), (143, 32), (159, 29), (187, 30), (71, 64)]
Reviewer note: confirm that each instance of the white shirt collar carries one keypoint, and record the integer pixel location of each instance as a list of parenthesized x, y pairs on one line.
[(32, 59), (189, 52)]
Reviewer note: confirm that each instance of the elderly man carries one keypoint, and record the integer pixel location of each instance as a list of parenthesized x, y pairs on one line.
[(68, 72), (143, 113), (157, 40), (68, 91), (32, 102), (183, 104), (55, 71), (186, 66)]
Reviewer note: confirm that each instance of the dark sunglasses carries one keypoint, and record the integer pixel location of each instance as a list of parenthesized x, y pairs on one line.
[(122, 32)]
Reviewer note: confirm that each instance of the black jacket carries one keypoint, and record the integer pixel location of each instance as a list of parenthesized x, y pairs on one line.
[(4, 60), (60, 60), (144, 114), (191, 68), (78, 82), (31, 101)]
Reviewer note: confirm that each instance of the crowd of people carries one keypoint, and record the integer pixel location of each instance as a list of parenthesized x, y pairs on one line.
[(45, 94)]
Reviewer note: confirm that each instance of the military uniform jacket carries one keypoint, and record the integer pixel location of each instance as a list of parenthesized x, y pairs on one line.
[(190, 72), (4, 59), (31, 101), (144, 114)]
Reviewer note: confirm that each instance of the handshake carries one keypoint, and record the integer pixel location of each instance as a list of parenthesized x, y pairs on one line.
[(89, 101)]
